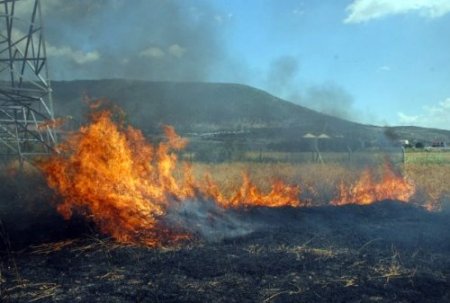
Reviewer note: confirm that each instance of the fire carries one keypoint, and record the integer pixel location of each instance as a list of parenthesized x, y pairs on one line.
[(249, 195), (109, 173), (367, 190), (105, 172)]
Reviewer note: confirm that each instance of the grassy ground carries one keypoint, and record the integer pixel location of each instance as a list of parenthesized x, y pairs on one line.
[(363, 157), (319, 181), (428, 157)]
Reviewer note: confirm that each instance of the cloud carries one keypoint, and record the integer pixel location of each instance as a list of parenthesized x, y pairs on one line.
[(77, 56), (384, 68), (157, 53), (176, 50), (407, 119), (152, 52), (366, 10), (435, 116)]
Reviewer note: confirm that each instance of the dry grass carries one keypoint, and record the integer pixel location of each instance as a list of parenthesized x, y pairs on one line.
[(34, 292), (432, 182), (319, 182)]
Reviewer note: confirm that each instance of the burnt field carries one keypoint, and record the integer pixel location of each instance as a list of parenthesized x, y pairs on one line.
[(384, 252)]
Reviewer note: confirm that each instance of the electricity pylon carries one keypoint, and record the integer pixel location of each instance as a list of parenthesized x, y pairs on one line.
[(26, 109)]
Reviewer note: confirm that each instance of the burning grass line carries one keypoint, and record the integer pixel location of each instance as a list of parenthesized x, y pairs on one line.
[(109, 173)]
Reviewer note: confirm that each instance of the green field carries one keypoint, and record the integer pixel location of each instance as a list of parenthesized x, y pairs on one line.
[(427, 157)]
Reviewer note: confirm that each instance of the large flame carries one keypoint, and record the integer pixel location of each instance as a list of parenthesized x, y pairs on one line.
[(367, 190), (109, 173), (249, 194)]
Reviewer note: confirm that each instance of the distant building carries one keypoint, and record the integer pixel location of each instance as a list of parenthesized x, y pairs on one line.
[(438, 144)]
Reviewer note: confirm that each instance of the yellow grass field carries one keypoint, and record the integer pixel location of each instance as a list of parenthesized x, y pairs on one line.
[(318, 182)]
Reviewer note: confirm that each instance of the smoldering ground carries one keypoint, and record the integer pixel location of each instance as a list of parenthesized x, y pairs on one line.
[(206, 220)]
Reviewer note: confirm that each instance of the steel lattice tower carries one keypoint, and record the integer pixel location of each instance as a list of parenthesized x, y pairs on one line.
[(26, 109)]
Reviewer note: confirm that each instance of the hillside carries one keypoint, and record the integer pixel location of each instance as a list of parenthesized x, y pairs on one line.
[(217, 111)]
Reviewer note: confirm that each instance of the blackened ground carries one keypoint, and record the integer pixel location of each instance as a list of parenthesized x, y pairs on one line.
[(387, 252), (28, 212)]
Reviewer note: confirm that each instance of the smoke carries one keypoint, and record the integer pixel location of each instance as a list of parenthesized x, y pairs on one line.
[(330, 99), (282, 73), (142, 39), (208, 221)]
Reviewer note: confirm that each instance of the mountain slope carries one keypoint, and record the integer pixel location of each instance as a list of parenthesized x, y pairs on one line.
[(218, 108)]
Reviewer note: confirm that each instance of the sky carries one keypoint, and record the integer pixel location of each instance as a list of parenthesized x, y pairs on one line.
[(383, 62)]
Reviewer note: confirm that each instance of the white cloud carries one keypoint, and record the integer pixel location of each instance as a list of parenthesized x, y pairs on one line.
[(384, 68), (176, 50), (407, 119), (152, 52), (52, 51), (436, 116), (74, 55), (158, 53), (365, 10)]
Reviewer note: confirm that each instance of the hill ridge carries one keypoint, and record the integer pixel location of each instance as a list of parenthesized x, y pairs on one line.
[(197, 107)]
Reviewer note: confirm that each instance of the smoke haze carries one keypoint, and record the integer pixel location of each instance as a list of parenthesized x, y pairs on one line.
[(151, 40), (209, 221), (328, 98)]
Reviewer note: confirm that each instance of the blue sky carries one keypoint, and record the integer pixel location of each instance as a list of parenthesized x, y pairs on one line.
[(384, 62), (393, 62)]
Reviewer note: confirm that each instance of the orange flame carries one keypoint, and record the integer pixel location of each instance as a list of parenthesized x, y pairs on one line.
[(53, 123), (366, 190), (249, 195), (109, 173)]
